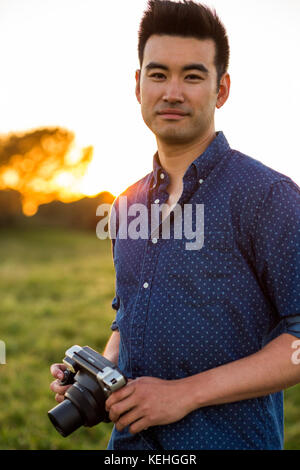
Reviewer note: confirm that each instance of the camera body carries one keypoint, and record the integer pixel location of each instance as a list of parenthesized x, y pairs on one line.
[(93, 379)]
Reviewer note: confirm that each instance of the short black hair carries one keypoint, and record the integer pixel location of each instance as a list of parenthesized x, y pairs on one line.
[(186, 19)]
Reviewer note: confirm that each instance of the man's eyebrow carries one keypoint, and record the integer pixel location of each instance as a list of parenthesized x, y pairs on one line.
[(195, 66), (156, 65)]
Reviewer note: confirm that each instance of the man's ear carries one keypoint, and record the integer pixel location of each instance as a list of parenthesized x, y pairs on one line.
[(223, 90), (137, 85)]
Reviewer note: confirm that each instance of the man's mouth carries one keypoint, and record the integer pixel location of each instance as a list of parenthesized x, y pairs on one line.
[(173, 114)]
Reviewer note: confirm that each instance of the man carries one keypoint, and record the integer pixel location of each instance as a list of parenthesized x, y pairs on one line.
[(206, 336)]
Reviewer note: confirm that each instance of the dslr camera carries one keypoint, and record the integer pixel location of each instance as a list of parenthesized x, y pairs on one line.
[(93, 379)]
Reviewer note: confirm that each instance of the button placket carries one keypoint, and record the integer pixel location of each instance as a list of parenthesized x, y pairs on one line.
[(139, 315)]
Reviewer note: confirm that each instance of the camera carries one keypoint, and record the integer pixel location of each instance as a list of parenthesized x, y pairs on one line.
[(93, 379)]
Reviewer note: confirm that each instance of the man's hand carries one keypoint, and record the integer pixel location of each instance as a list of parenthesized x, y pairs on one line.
[(57, 370), (148, 401)]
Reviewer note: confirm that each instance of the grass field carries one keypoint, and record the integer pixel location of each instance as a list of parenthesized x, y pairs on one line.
[(56, 288)]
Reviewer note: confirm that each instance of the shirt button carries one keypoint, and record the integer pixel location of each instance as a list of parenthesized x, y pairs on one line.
[(154, 240), (145, 285), (154, 186), (162, 175), (156, 201), (201, 181)]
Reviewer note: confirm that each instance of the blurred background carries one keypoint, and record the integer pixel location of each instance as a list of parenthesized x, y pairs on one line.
[(72, 137)]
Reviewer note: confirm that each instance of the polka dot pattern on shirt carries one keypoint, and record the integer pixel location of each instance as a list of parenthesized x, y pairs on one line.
[(209, 307)]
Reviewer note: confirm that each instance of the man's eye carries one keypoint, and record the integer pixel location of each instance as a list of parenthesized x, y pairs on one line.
[(157, 75), (194, 77)]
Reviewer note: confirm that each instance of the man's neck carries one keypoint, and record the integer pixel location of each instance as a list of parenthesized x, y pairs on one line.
[(176, 159)]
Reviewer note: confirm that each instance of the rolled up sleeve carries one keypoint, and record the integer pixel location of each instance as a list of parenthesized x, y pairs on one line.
[(277, 252)]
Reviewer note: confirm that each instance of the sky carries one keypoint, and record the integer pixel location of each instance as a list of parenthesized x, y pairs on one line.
[(71, 63)]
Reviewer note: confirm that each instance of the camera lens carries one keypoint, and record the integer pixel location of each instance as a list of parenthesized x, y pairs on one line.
[(65, 418), (84, 405)]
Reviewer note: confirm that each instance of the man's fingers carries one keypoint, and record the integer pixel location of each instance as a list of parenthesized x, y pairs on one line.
[(60, 389), (138, 426), (120, 408), (57, 370), (59, 398), (119, 395), (128, 418)]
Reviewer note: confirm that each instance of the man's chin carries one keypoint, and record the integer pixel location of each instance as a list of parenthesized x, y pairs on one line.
[(173, 136)]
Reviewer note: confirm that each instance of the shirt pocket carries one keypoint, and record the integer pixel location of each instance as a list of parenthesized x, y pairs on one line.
[(217, 254), (212, 261)]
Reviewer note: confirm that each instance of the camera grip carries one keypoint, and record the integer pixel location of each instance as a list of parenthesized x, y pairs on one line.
[(68, 378)]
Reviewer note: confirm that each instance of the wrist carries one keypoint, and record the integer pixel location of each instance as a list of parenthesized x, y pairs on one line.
[(111, 357), (195, 390)]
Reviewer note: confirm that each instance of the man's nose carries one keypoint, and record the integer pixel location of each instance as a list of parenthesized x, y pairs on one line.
[(173, 92)]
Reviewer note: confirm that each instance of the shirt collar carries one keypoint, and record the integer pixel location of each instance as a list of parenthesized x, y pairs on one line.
[(203, 164)]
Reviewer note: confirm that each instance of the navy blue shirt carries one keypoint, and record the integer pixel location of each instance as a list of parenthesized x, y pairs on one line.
[(182, 311)]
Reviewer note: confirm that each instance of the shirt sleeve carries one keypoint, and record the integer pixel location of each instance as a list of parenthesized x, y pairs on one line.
[(277, 254), (113, 228), (291, 325), (115, 305)]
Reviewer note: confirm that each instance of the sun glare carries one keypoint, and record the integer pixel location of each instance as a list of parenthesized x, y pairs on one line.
[(100, 177)]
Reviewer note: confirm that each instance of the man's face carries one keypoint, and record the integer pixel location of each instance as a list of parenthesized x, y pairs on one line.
[(178, 75)]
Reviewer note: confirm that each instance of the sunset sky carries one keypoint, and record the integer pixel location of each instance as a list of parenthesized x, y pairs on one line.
[(71, 63)]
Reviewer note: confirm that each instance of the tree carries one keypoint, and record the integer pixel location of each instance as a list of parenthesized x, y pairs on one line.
[(43, 165)]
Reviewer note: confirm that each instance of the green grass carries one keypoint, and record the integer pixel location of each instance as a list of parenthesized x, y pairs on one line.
[(56, 288)]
